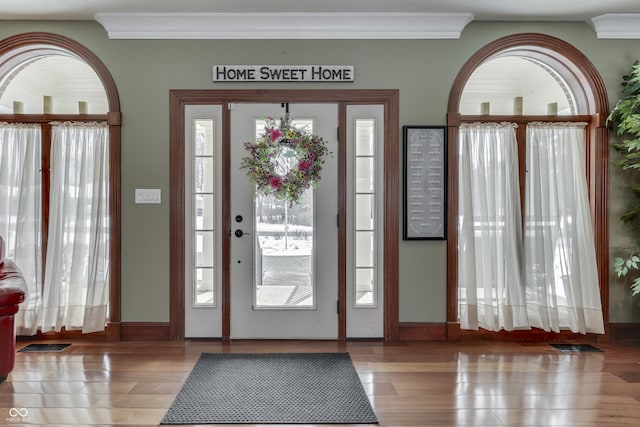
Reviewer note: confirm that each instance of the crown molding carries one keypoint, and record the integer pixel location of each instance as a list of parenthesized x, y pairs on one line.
[(284, 25), (617, 26)]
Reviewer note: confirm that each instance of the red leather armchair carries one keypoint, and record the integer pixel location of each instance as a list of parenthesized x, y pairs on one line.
[(12, 292)]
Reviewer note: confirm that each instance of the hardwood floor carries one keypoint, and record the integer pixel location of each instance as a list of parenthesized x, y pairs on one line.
[(413, 384)]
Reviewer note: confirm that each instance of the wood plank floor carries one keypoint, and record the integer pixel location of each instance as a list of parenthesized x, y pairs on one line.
[(417, 384)]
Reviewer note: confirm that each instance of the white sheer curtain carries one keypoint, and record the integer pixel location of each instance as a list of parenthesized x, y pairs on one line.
[(491, 288), (560, 260), (20, 208), (76, 280)]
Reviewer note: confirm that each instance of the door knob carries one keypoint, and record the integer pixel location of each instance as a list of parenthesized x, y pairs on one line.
[(240, 233)]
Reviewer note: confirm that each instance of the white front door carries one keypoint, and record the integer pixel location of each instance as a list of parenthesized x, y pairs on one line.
[(284, 266)]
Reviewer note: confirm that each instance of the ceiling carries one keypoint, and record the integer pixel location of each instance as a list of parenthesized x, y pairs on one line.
[(545, 10)]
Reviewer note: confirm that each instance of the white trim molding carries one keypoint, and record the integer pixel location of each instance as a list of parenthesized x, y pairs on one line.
[(617, 26), (284, 25)]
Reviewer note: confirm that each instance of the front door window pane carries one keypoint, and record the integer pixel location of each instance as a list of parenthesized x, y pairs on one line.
[(284, 249)]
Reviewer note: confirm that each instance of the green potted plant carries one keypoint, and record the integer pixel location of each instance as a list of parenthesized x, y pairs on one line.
[(625, 121)]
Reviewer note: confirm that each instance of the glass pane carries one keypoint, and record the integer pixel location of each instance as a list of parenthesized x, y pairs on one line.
[(203, 175), (365, 291), (302, 124), (204, 215), (499, 81), (203, 145), (364, 175), (284, 258), (365, 137), (364, 248), (204, 283), (365, 211), (205, 249), (284, 253), (205, 212)]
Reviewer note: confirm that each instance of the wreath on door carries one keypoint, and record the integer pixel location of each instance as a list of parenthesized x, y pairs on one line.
[(284, 161)]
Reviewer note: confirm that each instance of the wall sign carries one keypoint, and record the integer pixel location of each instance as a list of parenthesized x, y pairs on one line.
[(283, 73), (425, 176)]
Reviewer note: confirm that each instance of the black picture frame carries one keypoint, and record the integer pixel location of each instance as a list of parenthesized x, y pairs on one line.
[(424, 185)]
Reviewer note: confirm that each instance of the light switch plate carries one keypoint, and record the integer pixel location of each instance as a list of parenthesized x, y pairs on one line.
[(148, 196)]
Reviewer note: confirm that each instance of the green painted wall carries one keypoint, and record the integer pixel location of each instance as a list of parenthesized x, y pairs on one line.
[(423, 71)]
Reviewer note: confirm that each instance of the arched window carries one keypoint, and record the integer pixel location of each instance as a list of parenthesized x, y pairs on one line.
[(516, 85), (60, 185), (66, 84), (562, 87)]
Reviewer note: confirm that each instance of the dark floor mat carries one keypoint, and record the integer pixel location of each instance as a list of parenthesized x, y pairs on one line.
[(575, 348), (272, 388), (35, 348)]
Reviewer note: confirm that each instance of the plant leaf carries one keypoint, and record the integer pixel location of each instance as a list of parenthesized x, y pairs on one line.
[(635, 286)]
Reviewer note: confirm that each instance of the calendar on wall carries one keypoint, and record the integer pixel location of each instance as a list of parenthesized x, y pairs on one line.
[(425, 177)]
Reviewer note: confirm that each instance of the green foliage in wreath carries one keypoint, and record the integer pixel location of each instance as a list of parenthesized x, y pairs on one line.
[(284, 161)]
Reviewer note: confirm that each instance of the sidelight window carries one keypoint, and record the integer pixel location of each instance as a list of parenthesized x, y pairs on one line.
[(204, 211), (366, 232)]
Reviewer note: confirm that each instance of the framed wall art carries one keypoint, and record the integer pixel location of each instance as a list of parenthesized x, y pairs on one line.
[(425, 177)]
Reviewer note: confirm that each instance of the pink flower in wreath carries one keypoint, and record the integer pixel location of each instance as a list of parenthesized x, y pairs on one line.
[(274, 133), (304, 165), (275, 182)]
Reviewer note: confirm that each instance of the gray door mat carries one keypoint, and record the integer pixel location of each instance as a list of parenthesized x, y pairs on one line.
[(272, 388)]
